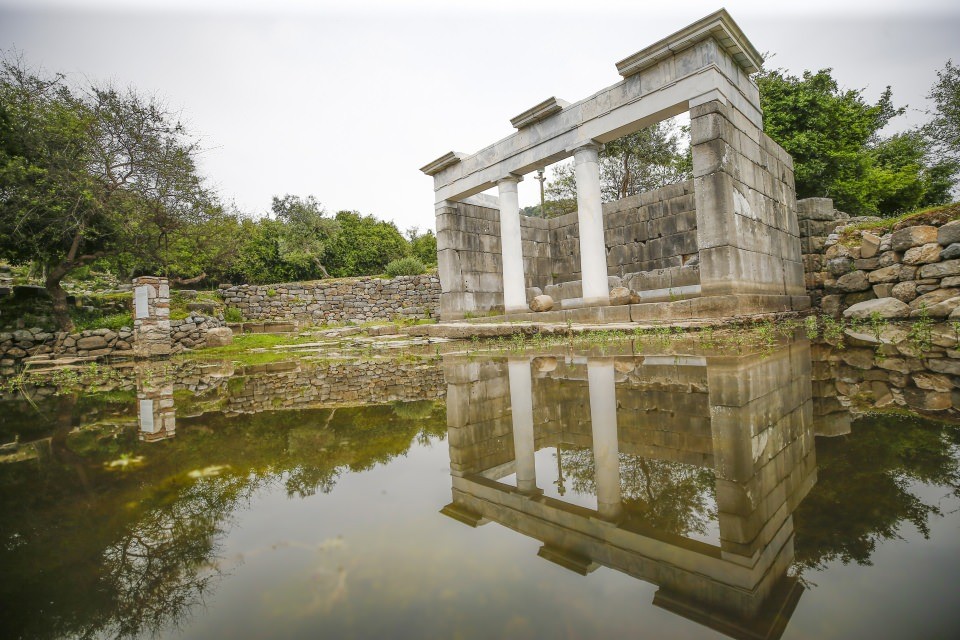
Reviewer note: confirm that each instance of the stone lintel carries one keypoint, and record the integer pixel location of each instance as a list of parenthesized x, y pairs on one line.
[(537, 113), (718, 25), (444, 161)]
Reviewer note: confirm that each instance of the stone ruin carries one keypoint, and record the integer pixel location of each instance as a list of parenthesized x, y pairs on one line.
[(725, 243)]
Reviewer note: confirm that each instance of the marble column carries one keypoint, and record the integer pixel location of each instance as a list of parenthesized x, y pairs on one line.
[(593, 248), (606, 452), (521, 407), (514, 287)]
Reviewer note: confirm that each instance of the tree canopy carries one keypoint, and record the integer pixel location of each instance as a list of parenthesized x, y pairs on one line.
[(833, 135)]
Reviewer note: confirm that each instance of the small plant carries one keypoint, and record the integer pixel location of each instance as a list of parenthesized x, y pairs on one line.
[(810, 327), (921, 334), (271, 293), (409, 266), (232, 314)]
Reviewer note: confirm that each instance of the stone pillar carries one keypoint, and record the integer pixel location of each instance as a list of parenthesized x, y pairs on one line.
[(155, 409), (521, 407), (606, 452), (593, 248), (514, 287), (151, 317)]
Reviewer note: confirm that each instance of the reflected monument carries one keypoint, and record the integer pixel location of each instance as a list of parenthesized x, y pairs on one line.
[(740, 426)]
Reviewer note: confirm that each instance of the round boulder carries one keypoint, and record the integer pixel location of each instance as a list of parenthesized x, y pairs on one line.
[(619, 295), (541, 303)]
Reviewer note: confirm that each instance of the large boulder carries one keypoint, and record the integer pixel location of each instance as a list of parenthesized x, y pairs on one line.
[(938, 310), (541, 303), (913, 237), (940, 269), (886, 274), (934, 297), (219, 337), (952, 252), (886, 308)]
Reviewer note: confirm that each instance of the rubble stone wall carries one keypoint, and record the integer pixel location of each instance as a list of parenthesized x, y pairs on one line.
[(337, 300)]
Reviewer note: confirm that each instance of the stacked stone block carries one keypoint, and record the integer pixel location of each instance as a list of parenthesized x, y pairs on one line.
[(151, 317), (337, 300), (818, 220), (747, 230)]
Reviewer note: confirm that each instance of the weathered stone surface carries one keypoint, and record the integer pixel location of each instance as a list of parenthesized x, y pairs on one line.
[(91, 342), (885, 307), (927, 400), (949, 233), (541, 303), (952, 252), (869, 245), (884, 290), (940, 269), (938, 310), (219, 337), (886, 274), (923, 254), (934, 297), (840, 266), (932, 381), (853, 282), (830, 304), (944, 365), (619, 295), (888, 258), (913, 237), (858, 358)]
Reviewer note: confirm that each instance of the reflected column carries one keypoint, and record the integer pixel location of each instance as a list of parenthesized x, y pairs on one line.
[(521, 407), (156, 412), (606, 453)]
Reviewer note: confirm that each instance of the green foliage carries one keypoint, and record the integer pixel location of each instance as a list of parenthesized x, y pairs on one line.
[(364, 245), (114, 322), (423, 246), (833, 136), (409, 266), (232, 314), (944, 126)]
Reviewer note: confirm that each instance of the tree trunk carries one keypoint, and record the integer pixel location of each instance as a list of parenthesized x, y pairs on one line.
[(61, 314)]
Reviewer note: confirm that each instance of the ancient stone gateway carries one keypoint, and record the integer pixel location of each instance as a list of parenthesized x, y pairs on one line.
[(725, 243)]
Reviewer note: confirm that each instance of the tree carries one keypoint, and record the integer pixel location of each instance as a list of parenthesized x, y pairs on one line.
[(423, 246), (647, 159), (87, 175), (944, 127), (307, 234), (833, 135), (364, 245)]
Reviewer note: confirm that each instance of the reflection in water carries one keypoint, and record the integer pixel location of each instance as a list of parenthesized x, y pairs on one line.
[(648, 435), (156, 413)]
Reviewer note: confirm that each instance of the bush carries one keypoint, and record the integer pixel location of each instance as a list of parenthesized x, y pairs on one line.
[(408, 266), (232, 314)]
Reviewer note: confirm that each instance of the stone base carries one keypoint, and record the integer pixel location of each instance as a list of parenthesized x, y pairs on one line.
[(703, 308)]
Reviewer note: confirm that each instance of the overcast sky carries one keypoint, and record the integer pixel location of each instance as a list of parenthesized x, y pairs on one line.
[(347, 100)]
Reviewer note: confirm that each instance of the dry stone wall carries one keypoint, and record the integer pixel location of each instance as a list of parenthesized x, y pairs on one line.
[(912, 271), (337, 300)]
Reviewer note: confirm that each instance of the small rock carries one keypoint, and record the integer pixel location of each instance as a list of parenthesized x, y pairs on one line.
[(852, 282), (619, 296), (869, 245), (541, 303), (219, 337), (886, 274), (951, 252)]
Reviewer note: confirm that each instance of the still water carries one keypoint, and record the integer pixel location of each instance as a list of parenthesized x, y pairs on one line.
[(562, 494)]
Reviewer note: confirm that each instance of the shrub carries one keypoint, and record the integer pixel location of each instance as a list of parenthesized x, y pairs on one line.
[(232, 314), (408, 266)]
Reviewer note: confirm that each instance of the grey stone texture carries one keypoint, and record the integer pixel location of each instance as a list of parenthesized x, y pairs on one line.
[(337, 300)]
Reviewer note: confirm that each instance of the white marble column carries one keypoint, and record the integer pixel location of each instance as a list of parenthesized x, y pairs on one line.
[(606, 452), (511, 247), (521, 406), (593, 249)]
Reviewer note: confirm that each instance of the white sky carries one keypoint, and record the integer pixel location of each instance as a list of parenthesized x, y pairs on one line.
[(347, 100)]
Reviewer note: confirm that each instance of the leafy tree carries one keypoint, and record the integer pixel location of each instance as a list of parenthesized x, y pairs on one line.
[(944, 127), (423, 246), (647, 159), (87, 175), (364, 245), (833, 135), (306, 233)]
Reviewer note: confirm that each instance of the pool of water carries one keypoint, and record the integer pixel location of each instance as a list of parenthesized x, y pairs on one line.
[(678, 493)]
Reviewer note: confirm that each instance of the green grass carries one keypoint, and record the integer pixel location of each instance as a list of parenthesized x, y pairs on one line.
[(245, 349), (887, 224), (114, 322)]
